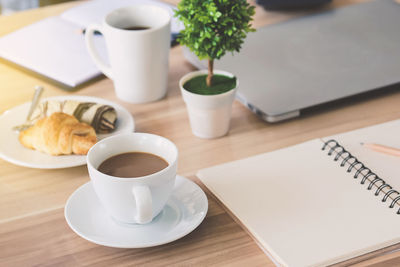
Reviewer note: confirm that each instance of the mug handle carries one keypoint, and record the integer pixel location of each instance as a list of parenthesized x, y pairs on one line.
[(144, 205), (89, 33)]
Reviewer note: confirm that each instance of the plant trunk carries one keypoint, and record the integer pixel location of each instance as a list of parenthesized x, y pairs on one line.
[(210, 72)]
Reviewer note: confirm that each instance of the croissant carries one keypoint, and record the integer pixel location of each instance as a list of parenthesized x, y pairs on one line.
[(59, 134), (102, 117)]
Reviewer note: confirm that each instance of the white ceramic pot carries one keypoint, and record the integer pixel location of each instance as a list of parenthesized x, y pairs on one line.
[(209, 115)]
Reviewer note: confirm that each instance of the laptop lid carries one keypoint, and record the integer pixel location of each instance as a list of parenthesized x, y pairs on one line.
[(286, 67)]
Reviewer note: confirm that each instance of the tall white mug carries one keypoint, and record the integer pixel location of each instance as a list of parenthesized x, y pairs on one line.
[(138, 58)]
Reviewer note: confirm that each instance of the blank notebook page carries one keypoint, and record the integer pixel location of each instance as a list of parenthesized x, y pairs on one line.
[(302, 207)]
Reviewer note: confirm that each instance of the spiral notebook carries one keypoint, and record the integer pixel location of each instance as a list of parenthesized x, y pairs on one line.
[(317, 203)]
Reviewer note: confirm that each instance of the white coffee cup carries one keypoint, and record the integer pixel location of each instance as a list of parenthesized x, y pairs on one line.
[(139, 199), (138, 58)]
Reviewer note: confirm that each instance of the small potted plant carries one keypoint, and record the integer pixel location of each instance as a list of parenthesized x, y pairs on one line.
[(212, 28)]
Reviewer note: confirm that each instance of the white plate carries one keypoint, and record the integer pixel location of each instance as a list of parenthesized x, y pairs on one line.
[(12, 151), (184, 211)]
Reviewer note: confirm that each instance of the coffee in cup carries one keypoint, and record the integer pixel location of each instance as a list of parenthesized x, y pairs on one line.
[(135, 28), (132, 165)]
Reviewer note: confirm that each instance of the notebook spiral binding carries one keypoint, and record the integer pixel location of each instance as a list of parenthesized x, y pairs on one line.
[(361, 169)]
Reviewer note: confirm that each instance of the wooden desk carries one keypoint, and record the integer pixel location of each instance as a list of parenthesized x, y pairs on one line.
[(33, 230)]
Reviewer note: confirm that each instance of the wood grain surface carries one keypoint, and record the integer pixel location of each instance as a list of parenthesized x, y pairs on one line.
[(33, 230)]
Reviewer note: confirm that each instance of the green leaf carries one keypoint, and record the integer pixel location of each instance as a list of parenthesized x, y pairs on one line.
[(214, 27)]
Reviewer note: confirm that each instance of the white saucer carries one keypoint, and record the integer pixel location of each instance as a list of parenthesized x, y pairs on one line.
[(184, 211), (12, 151)]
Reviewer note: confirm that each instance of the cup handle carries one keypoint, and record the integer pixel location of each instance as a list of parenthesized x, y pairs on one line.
[(89, 33), (144, 205)]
